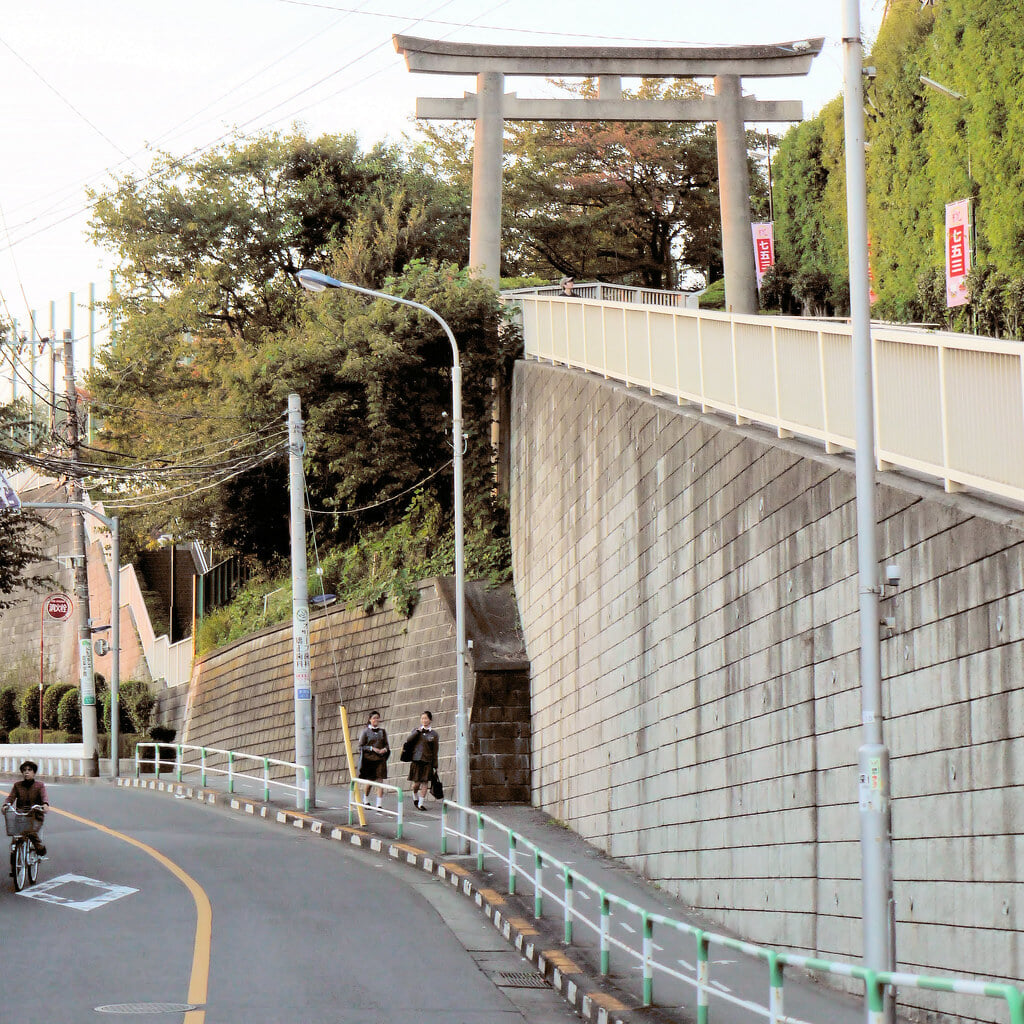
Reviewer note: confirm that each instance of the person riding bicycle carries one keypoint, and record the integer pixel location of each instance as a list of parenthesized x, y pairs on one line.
[(26, 793)]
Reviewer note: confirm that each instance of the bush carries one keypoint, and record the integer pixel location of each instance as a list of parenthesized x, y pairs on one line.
[(51, 702), (135, 707), (69, 711), (29, 705), (24, 734), (10, 708)]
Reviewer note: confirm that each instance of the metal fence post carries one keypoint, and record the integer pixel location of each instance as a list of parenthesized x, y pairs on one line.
[(202, 765), (604, 933), (177, 760), (305, 802), (266, 780), (479, 841), (648, 939), (444, 827), (231, 771), (156, 760), (138, 768), (511, 863), (538, 884), (776, 1000), (401, 814), (568, 907), (702, 977), (351, 798)]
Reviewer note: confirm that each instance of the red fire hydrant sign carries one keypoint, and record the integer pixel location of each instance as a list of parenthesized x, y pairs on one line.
[(58, 607)]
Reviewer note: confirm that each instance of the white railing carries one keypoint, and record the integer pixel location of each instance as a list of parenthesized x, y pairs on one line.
[(603, 292), (236, 766), (947, 406), (55, 760)]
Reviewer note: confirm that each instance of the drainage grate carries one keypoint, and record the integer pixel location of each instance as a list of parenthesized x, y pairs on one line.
[(524, 979), (146, 1008)]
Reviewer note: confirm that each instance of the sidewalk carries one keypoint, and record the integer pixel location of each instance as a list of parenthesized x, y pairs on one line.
[(738, 985)]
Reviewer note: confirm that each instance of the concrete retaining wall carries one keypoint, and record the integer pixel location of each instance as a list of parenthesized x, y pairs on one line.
[(688, 596), (241, 696)]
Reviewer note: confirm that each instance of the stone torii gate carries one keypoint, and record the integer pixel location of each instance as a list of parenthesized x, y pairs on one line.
[(490, 106)]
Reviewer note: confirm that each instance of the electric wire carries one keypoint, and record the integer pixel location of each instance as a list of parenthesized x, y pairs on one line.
[(383, 501)]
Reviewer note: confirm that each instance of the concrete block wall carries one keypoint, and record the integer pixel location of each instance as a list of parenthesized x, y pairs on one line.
[(688, 594), (241, 697)]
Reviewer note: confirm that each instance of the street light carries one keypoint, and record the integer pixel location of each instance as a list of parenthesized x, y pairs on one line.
[(316, 282)]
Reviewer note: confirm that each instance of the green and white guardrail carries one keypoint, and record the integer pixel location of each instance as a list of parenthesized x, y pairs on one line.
[(234, 764), (541, 864)]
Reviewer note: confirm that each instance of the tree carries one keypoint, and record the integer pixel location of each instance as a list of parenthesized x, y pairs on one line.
[(19, 531), (626, 201), (208, 252)]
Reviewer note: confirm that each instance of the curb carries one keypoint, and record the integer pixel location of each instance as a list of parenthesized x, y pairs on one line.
[(591, 1000)]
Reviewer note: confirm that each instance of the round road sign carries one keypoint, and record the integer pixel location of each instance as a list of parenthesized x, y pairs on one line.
[(59, 607)]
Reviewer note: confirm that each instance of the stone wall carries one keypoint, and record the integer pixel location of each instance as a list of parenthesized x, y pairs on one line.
[(688, 595), (241, 695)]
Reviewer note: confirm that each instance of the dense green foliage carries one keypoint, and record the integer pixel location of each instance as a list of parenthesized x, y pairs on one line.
[(19, 531), (69, 711), (926, 148)]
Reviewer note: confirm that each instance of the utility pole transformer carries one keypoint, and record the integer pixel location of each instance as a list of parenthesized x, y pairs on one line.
[(302, 671), (86, 678)]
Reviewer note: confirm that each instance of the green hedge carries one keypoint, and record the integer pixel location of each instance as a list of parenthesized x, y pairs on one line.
[(26, 734)]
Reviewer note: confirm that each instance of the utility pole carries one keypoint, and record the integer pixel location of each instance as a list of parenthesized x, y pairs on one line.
[(874, 790), (86, 680), (302, 672)]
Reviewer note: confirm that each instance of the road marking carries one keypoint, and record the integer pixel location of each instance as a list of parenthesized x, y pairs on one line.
[(199, 978), (46, 892), (628, 928), (686, 964)]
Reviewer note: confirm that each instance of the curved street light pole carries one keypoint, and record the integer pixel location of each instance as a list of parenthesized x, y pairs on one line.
[(313, 281)]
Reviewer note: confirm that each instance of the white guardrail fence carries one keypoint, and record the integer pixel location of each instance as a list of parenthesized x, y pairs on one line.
[(947, 406), (552, 882), (252, 771)]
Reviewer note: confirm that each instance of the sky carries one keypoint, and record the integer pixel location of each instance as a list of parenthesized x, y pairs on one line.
[(90, 91)]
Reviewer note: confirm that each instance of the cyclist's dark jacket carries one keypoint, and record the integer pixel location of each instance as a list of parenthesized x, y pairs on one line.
[(24, 794)]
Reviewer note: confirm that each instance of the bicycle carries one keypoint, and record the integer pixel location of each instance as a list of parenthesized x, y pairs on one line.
[(24, 859)]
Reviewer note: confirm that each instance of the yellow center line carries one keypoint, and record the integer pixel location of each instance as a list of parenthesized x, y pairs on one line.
[(200, 976)]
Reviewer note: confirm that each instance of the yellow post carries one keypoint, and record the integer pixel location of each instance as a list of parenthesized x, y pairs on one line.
[(351, 763)]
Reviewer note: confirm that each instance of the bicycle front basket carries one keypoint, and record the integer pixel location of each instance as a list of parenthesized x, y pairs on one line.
[(19, 824)]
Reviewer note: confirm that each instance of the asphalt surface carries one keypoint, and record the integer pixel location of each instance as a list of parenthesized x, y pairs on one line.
[(738, 984), (299, 930)]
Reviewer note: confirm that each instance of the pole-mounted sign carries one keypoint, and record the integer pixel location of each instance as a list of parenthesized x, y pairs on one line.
[(58, 607)]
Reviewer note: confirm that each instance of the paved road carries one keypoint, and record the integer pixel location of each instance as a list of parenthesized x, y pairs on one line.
[(147, 900)]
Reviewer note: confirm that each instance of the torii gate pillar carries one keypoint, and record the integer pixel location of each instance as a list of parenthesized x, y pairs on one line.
[(485, 214), (734, 199)]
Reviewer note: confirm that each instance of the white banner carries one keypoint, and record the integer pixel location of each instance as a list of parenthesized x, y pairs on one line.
[(764, 249), (958, 251)]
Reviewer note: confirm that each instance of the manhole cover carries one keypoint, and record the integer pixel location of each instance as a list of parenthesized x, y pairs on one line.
[(525, 979), (145, 1008)]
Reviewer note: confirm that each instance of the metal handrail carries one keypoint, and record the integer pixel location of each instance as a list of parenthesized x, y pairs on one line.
[(204, 767), (875, 982)]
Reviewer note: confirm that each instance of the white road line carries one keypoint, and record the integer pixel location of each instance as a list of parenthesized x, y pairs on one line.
[(73, 897), (686, 964), (629, 929)]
